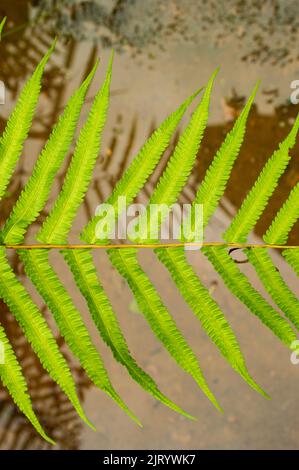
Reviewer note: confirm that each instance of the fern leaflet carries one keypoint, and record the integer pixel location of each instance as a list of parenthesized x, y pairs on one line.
[(178, 168), (162, 324), (212, 188), (256, 201), (141, 167), (57, 225), (239, 285), (69, 321), (19, 123), (36, 191), (189, 285), (292, 257), (285, 219), (206, 310), (278, 233)]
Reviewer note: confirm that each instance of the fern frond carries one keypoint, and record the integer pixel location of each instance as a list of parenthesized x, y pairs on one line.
[(85, 275), (12, 378), (141, 167), (37, 189), (240, 286), (19, 123), (218, 173), (179, 165), (161, 322), (256, 200), (68, 319), (57, 225), (37, 332), (206, 310), (274, 283)]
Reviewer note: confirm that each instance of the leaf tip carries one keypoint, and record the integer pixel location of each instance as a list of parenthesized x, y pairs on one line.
[(2, 25), (255, 88), (91, 74), (53, 45)]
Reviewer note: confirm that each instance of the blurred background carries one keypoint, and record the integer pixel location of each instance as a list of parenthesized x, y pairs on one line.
[(165, 49)]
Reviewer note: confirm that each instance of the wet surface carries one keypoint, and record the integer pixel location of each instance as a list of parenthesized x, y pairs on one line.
[(147, 85)]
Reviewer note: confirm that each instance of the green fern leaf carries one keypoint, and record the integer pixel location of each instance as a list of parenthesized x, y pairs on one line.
[(57, 225), (238, 232), (154, 148), (2, 25), (69, 320), (248, 215), (126, 262), (239, 285), (206, 310), (256, 201), (281, 226), (292, 257), (85, 275), (188, 283), (10, 372), (218, 173), (36, 191), (37, 331), (141, 167), (278, 232), (123, 261), (274, 283), (162, 324), (19, 123), (11, 376)]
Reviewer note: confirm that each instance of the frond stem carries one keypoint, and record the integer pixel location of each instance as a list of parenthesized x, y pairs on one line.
[(38, 246)]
